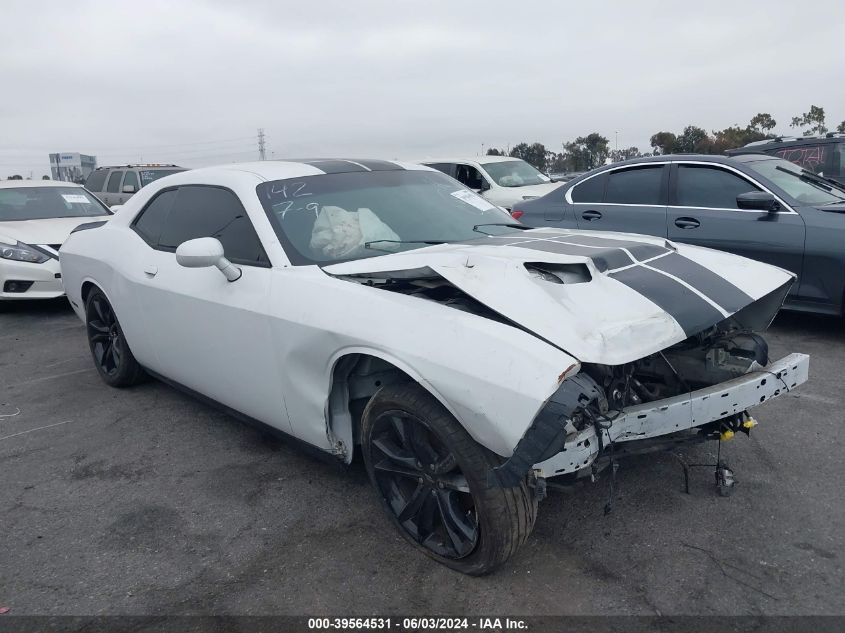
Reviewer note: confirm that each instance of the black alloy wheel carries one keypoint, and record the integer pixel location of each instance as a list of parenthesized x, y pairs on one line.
[(423, 485), (112, 357), (432, 480), (104, 334)]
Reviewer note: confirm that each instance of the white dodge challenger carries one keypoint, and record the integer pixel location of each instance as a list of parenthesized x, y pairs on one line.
[(380, 307)]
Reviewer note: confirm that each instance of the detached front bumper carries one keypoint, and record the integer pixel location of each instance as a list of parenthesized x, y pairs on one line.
[(25, 280), (680, 413)]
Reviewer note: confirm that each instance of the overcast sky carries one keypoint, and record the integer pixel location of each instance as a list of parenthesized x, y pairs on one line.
[(190, 81)]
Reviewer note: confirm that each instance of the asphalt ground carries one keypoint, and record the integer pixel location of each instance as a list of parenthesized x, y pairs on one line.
[(144, 501)]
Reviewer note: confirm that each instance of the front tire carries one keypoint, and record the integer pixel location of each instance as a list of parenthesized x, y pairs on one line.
[(112, 357), (431, 477)]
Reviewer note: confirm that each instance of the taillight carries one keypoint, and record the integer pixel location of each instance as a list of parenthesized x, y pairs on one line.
[(516, 214)]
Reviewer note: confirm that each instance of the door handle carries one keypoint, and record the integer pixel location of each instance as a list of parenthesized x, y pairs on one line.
[(151, 270), (687, 223), (591, 215)]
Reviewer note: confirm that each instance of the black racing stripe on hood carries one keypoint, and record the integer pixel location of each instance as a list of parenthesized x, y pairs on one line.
[(691, 312), (379, 165), (716, 287), (604, 258), (330, 166)]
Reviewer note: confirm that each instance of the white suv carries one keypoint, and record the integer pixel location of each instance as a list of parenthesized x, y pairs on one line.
[(503, 180)]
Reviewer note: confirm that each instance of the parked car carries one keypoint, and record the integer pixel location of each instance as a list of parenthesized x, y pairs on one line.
[(822, 155), (565, 176), (384, 308), (115, 185), (35, 219), (502, 180), (754, 205)]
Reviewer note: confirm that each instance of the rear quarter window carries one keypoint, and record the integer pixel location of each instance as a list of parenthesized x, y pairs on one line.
[(590, 190), (150, 221), (96, 180)]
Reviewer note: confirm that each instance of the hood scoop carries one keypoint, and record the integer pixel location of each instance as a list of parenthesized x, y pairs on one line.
[(559, 273)]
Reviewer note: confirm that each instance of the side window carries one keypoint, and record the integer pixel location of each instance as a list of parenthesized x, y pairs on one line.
[(130, 179), (590, 190), (114, 182), (469, 176), (96, 180), (638, 185), (149, 222), (710, 187), (204, 211), (446, 168)]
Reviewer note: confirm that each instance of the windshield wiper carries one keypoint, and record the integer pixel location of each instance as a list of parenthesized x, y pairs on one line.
[(512, 225), (371, 242), (828, 184)]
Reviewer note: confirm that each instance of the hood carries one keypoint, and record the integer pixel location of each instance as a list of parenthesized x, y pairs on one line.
[(47, 231), (534, 190), (608, 298), (833, 208)]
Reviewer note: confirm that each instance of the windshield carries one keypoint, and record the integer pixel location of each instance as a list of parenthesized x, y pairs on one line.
[(798, 183), (149, 175), (341, 217), (39, 203), (514, 173)]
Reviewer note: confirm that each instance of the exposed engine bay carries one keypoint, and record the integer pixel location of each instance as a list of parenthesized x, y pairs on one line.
[(697, 388), (719, 354)]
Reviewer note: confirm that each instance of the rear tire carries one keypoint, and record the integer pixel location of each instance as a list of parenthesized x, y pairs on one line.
[(431, 477), (112, 357)]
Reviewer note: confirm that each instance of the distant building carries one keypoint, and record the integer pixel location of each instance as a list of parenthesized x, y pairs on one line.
[(72, 166)]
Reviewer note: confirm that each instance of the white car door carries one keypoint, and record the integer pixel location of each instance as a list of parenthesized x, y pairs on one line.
[(208, 334)]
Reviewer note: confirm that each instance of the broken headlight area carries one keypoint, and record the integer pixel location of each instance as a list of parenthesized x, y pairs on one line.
[(700, 361), (697, 390)]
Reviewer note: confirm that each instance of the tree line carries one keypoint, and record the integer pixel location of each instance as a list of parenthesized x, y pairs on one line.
[(590, 151)]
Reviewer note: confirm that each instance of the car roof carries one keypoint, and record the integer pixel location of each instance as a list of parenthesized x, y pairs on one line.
[(280, 169), (141, 166), (13, 184), (709, 158), (475, 159), (789, 141)]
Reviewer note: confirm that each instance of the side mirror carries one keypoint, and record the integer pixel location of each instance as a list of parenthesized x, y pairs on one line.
[(115, 207), (484, 185), (757, 201), (128, 188), (205, 252)]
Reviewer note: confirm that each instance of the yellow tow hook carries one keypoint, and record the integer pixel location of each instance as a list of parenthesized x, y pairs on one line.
[(740, 422), (748, 424)]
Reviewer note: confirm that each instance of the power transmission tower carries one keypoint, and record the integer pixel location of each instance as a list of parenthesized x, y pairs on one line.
[(261, 152)]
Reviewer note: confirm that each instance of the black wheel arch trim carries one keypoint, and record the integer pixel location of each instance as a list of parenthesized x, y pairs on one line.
[(547, 433)]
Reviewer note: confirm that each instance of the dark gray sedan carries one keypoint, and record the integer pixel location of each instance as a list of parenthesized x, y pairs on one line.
[(754, 205)]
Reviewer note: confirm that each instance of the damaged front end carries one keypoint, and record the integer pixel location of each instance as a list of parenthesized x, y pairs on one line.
[(664, 339), (698, 389)]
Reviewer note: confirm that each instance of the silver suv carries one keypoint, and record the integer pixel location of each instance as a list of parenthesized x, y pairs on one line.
[(115, 185)]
